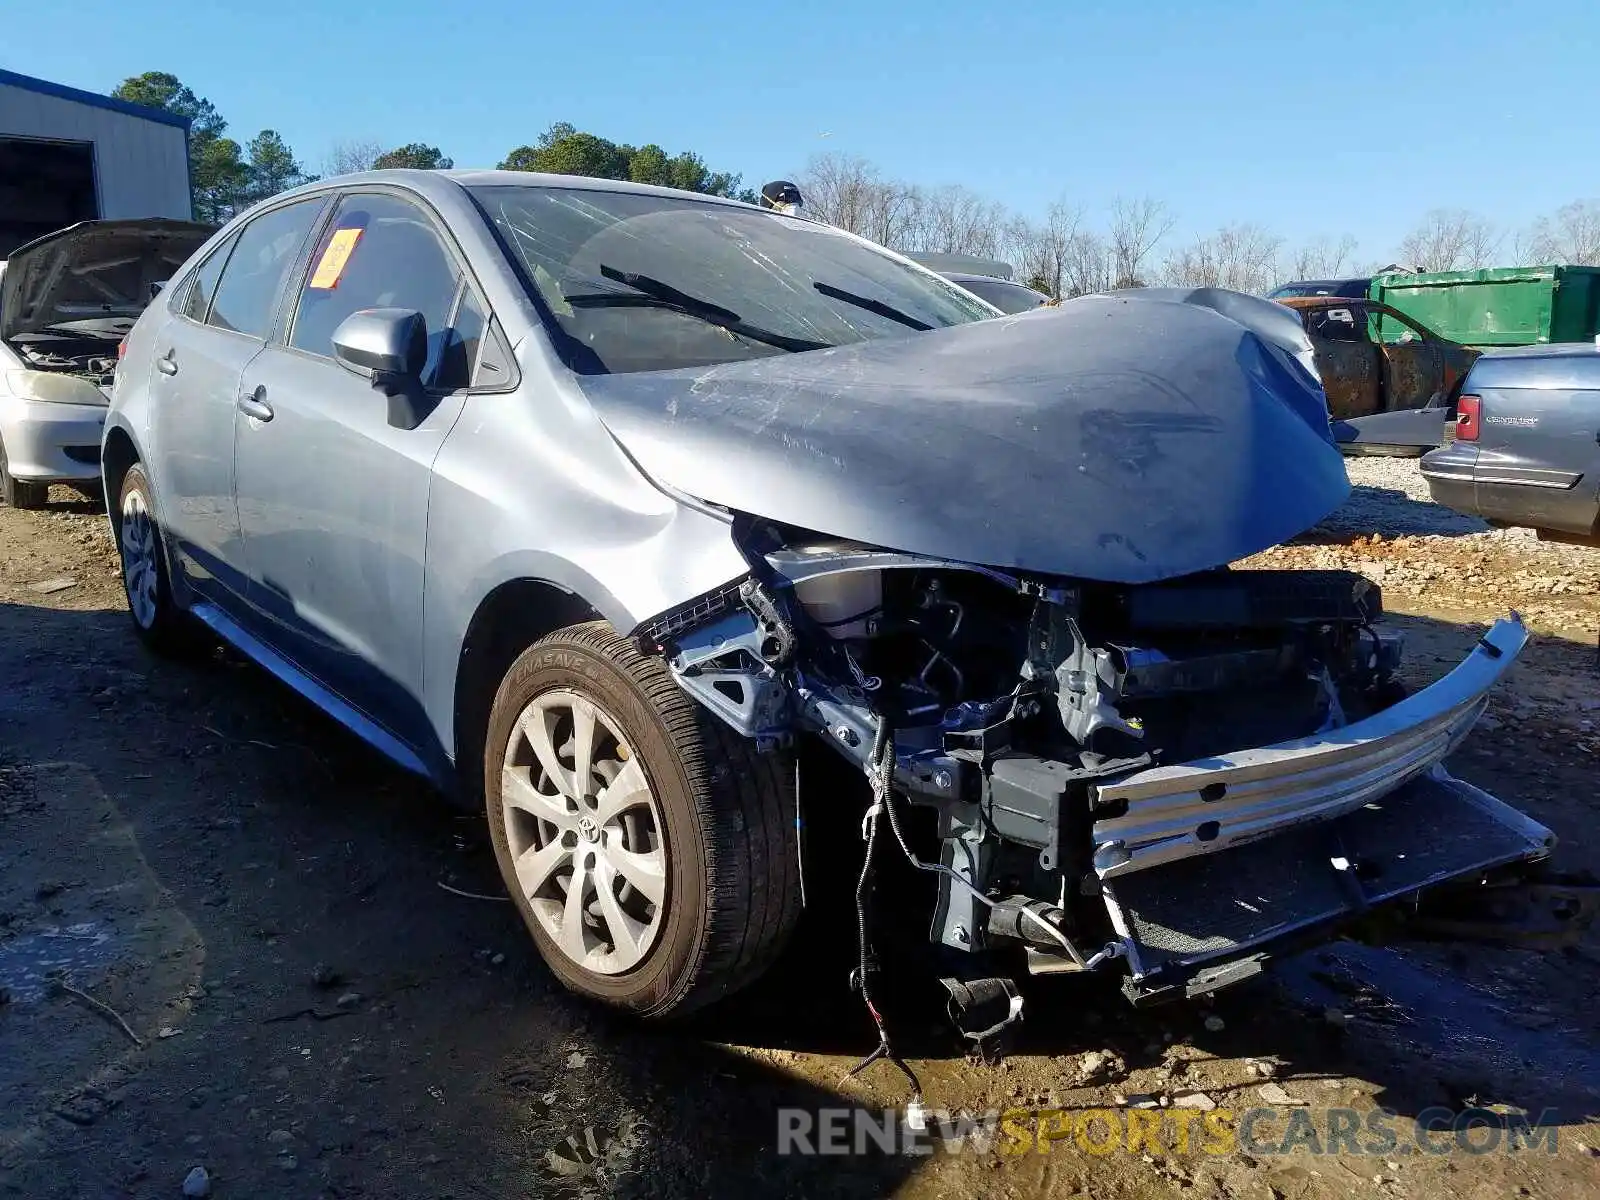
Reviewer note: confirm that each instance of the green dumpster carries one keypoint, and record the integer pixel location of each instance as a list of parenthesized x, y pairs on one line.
[(1500, 306)]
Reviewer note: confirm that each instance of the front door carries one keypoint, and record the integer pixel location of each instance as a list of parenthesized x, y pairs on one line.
[(1413, 362), (333, 501), (201, 351)]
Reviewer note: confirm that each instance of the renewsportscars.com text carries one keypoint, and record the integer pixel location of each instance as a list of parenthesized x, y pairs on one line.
[(1221, 1131)]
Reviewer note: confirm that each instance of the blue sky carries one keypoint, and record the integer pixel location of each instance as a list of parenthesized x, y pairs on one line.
[(1352, 117)]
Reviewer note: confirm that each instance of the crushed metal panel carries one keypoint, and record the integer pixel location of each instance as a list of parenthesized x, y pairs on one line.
[(1119, 439)]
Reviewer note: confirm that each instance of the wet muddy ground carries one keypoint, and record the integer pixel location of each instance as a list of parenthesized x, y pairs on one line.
[(314, 1009)]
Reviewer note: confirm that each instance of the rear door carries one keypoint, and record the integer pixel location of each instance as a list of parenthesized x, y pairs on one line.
[(219, 324), (333, 501), (1539, 457)]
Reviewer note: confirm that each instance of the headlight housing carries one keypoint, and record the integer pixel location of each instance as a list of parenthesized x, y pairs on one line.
[(54, 387)]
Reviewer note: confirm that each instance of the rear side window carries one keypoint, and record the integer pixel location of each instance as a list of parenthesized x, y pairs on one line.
[(262, 259), (204, 285), (1007, 297), (382, 252)]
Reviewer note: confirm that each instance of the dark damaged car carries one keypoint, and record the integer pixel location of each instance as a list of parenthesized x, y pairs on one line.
[(1391, 383), (597, 504)]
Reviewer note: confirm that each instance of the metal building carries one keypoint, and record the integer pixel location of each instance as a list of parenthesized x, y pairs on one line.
[(68, 155)]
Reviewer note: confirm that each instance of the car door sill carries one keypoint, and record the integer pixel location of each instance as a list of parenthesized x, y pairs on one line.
[(356, 722)]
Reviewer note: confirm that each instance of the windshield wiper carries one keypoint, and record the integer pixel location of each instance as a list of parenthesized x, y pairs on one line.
[(872, 306), (657, 294)]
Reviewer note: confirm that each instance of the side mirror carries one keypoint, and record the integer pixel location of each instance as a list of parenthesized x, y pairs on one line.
[(389, 346)]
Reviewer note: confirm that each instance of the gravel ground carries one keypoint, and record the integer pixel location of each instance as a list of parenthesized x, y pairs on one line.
[(259, 898), (1428, 558)]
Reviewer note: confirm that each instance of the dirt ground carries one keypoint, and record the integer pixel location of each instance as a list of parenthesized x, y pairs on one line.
[(311, 1012)]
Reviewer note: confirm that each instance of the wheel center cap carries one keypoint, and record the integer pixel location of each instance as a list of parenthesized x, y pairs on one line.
[(587, 827)]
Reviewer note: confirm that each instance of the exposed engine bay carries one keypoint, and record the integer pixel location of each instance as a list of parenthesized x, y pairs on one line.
[(87, 357), (1086, 747)]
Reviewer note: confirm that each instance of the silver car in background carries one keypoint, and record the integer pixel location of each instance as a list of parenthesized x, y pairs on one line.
[(66, 302), (589, 501)]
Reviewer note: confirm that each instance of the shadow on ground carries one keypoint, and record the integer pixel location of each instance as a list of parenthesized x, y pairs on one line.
[(1391, 513), (357, 1030)]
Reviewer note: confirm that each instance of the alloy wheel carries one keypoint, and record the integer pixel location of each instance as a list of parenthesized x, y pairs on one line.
[(139, 566), (584, 831)]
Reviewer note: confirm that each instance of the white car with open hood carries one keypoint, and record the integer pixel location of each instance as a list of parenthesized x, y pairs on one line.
[(66, 302)]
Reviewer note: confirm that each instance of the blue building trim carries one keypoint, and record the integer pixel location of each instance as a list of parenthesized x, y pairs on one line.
[(61, 92)]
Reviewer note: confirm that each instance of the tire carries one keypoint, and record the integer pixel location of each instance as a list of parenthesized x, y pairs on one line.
[(161, 625), (711, 829), (20, 493)]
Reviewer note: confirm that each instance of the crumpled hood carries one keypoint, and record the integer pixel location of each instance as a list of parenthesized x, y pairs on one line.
[(91, 270), (1124, 438)]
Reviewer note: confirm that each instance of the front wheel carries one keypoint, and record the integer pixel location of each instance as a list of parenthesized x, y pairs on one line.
[(20, 493), (651, 851)]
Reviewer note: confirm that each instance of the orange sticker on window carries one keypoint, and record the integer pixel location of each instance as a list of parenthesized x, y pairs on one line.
[(340, 246)]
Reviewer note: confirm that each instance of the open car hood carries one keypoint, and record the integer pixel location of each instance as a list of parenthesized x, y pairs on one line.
[(1125, 438), (92, 271)]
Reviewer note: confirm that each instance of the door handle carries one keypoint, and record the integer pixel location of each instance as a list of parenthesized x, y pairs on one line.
[(254, 404), (166, 364)]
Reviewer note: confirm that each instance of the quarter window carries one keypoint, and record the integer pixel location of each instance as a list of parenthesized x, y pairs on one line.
[(204, 285), (262, 258), (383, 252)]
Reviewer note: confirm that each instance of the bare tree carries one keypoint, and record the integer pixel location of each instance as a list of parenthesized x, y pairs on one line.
[(1137, 226), (850, 193), (1242, 258), (1572, 235), (955, 220), (352, 155), (1040, 251), (1451, 240), (1090, 265), (1323, 258)]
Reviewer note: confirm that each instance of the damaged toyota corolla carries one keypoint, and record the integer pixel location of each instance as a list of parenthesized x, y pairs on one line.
[(595, 502)]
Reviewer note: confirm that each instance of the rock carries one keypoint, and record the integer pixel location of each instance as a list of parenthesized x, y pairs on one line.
[(576, 1061), (197, 1183), (1142, 1101), (1264, 1069), (288, 1162), (497, 959), (324, 976), (46, 587), (1273, 1094), (1335, 1017), (1195, 1100), (167, 1031), (1214, 1023), (280, 1137), (348, 1001)]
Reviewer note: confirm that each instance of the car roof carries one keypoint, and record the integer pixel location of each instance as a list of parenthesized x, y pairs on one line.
[(1327, 301), (968, 277), (435, 183), (1547, 350), (1551, 365)]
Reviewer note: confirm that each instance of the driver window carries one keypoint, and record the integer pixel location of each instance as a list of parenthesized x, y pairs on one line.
[(1336, 325), (378, 252)]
